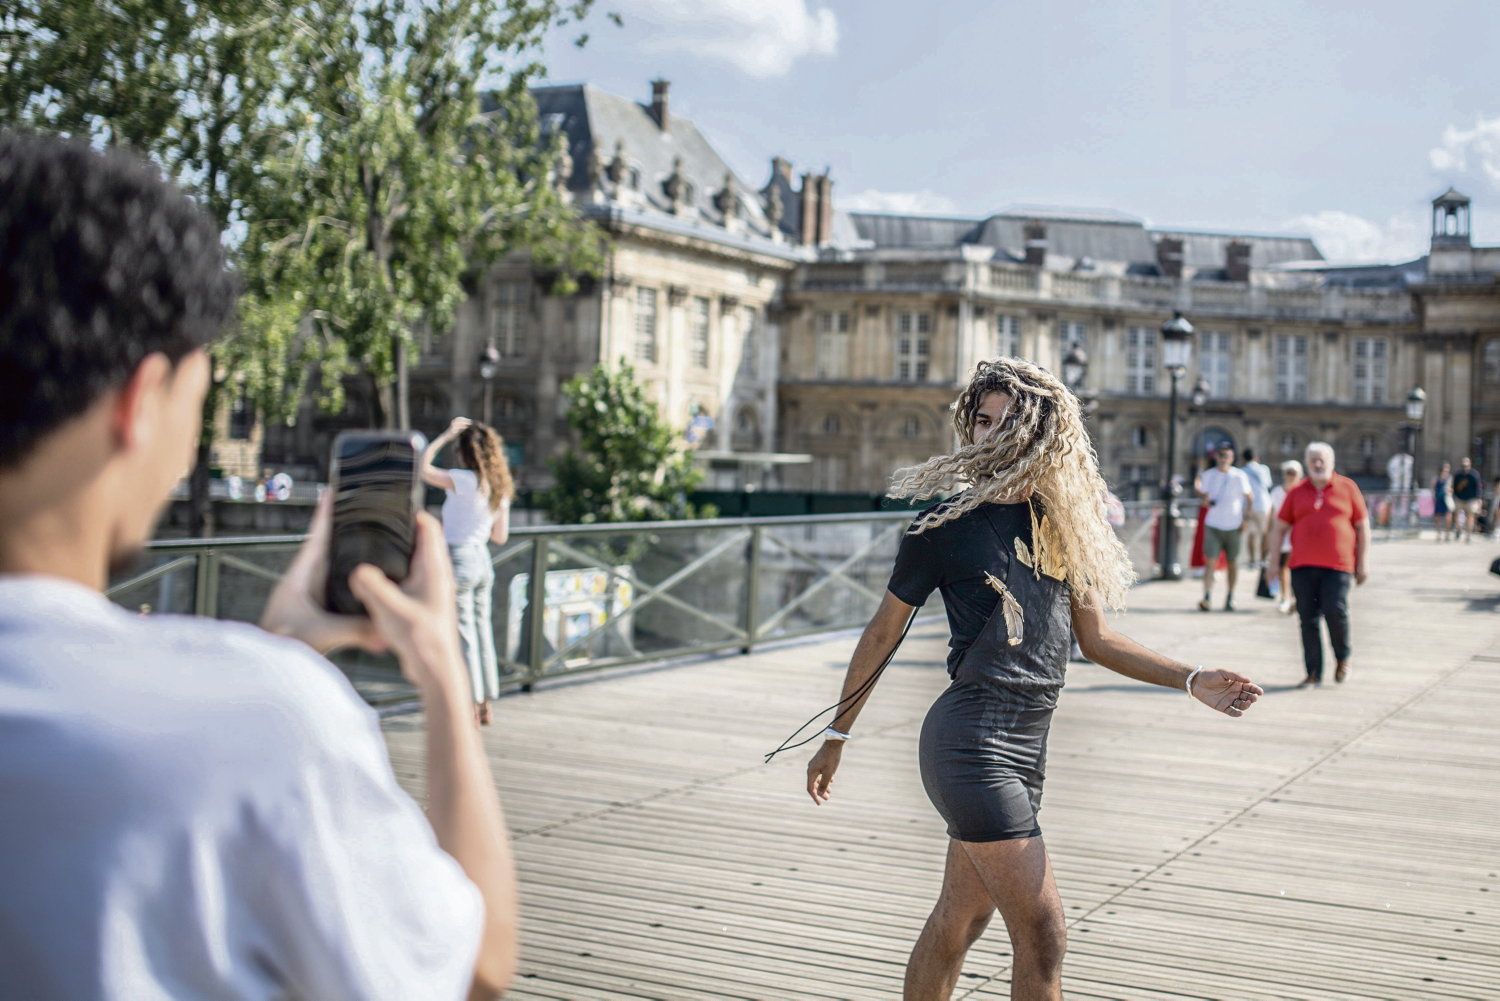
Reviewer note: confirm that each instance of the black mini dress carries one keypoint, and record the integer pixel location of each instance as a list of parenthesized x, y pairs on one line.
[(983, 745)]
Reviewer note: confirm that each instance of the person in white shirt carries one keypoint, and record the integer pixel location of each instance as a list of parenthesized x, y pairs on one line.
[(1226, 491), (476, 512), (192, 808), (1256, 522), (1291, 476)]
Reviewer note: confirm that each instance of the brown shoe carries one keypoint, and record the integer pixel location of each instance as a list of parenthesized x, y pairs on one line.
[(1342, 671), (1308, 682)]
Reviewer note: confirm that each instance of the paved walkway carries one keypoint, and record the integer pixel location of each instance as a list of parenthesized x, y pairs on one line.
[(1337, 843)]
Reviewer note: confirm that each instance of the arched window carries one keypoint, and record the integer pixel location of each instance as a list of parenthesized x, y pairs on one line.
[(911, 427), (1140, 436), (1289, 444), (831, 424)]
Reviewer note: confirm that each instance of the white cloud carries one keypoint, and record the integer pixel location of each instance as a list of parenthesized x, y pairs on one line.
[(1466, 150), (1343, 236), (909, 202), (761, 38)]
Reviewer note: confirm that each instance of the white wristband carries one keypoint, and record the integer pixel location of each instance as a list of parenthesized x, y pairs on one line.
[(1188, 685), (832, 734)]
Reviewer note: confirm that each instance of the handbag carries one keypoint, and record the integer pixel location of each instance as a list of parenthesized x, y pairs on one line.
[(1495, 567), (1263, 588)]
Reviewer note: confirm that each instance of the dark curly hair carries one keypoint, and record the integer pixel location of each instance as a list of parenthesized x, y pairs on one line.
[(102, 263)]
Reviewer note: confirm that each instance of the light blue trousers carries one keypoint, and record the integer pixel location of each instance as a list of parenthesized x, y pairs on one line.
[(474, 577)]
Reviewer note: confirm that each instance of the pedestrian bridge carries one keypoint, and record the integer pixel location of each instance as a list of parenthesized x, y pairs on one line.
[(1336, 843)]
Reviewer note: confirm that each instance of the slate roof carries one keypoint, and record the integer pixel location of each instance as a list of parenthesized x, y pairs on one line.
[(592, 118), (1206, 250)]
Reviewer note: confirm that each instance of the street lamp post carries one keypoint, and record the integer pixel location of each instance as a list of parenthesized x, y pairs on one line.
[(489, 367), (1177, 352), (1416, 409)]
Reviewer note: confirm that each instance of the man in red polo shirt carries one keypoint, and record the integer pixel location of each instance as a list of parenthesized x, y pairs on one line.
[(1330, 536)]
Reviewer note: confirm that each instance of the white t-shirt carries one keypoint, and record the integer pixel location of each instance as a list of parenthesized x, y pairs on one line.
[(192, 808), (467, 518), (1260, 486), (1227, 489), (1278, 497)]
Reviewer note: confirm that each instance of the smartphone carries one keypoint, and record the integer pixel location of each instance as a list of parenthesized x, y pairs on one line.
[(376, 497)]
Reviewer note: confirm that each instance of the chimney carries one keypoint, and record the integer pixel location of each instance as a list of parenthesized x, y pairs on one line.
[(781, 167), (1237, 261), (659, 103), (1169, 256), (807, 222), (1036, 243), (825, 209)]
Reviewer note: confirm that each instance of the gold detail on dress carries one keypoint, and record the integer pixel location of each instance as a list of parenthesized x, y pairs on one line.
[(1015, 625)]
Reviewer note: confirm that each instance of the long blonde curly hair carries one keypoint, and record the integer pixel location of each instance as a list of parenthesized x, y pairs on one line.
[(481, 449), (1042, 450)]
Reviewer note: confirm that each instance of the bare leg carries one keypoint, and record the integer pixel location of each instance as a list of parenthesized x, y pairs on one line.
[(1016, 877), (959, 917)]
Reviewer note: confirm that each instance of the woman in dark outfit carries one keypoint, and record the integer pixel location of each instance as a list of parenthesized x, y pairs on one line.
[(1024, 559)]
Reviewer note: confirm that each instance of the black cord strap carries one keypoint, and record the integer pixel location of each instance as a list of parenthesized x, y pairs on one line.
[(854, 696)]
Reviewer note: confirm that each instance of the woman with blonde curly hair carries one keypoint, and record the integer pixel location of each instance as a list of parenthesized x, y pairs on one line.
[(1024, 560), (476, 512)]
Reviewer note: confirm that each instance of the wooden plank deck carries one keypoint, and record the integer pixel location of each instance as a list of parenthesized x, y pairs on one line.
[(1338, 843)]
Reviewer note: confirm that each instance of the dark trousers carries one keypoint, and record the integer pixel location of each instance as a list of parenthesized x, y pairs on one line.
[(1322, 592)]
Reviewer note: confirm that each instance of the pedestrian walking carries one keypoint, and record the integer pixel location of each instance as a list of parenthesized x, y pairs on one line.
[(1442, 502), (1468, 498), (196, 808), (476, 512), (1022, 560), (1281, 583), (1226, 491), (1330, 532), (1257, 518)]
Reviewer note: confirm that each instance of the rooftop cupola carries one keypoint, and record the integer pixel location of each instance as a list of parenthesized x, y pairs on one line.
[(1450, 220)]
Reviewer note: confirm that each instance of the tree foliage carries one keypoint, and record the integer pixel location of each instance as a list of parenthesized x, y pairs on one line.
[(628, 464)]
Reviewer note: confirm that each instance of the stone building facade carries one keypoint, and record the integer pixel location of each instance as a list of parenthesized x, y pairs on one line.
[(773, 324)]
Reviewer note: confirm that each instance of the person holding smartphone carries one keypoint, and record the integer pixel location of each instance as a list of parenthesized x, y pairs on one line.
[(195, 808), (476, 512)]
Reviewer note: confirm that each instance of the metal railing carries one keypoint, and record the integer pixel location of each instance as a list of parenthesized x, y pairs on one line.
[(582, 598), (569, 600)]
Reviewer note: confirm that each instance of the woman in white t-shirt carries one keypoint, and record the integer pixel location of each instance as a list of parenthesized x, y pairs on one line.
[(1291, 475), (476, 512)]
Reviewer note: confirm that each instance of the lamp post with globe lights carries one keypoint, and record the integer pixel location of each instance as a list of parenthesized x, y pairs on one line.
[(489, 367), (1177, 353)]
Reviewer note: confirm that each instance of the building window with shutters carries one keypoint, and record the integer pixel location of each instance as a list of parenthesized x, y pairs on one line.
[(1214, 362), (1491, 365), (832, 424), (241, 417), (1007, 335), (913, 346), (1370, 357), (645, 325), (698, 331), (832, 345), (1289, 354), (512, 311), (1140, 361)]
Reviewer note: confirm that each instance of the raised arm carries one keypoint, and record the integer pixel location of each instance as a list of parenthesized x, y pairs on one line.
[(876, 643), (431, 475), (1225, 691)]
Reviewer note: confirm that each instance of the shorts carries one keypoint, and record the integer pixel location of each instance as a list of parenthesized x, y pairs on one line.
[(983, 758), (1217, 540)]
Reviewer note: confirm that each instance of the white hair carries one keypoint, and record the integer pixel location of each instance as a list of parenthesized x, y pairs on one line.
[(1320, 446), (1292, 466)]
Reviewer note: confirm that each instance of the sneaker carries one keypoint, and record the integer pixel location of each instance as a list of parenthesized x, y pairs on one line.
[(1309, 682), (1228, 604), (1204, 605), (1286, 607)]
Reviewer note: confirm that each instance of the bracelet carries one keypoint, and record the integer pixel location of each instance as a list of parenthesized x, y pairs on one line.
[(1188, 685), (832, 734)]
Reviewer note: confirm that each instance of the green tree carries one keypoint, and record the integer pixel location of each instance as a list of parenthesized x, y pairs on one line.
[(628, 465), (414, 159)]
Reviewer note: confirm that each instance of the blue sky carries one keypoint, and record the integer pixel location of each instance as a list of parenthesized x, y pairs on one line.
[(1337, 119)]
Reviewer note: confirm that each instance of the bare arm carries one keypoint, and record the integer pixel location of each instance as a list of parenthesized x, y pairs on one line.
[(431, 475), (1361, 548), (418, 620), (876, 643), (500, 530), (1278, 531), (1225, 691)]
